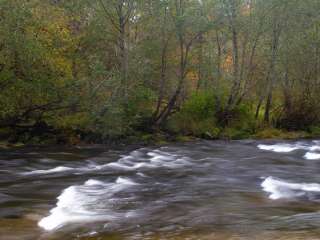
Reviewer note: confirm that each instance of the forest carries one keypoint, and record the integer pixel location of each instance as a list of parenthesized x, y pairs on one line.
[(100, 71)]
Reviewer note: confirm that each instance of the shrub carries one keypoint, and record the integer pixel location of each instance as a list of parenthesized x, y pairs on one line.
[(302, 115), (196, 117), (240, 123), (314, 131), (140, 108), (122, 119), (272, 133), (235, 133)]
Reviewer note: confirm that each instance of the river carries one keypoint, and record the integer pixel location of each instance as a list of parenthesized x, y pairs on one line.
[(197, 190)]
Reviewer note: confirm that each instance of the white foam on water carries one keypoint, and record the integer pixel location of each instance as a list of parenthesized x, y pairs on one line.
[(312, 156), (93, 200), (125, 181), (85, 203), (141, 174), (154, 159), (129, 167), (279, 189), (49, 171), (134, 161), (280, 148), (315, 148), (120, 166), (93, 182), (161, 156), (286, 148)]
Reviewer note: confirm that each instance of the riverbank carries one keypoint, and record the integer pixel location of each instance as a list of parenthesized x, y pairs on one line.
[(159, 138)]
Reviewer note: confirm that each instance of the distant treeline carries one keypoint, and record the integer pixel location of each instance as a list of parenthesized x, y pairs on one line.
[(99, 70)]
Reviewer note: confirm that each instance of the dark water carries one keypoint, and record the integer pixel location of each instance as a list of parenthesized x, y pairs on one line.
[(199, 190)]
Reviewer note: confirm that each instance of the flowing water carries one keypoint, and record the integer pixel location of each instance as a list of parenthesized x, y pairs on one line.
[(199, 190)]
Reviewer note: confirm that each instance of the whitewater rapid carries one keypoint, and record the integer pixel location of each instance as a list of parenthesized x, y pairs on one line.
[(132, 162), (133, 183), (96, 200), (280, 189), (312, 152), (80, 204)]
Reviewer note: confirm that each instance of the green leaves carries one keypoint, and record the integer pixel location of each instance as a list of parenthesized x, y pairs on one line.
[(112, 67)]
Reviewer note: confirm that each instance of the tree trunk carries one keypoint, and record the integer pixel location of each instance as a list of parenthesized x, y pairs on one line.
[(235, 55), (200, 63), (258, 107), (219, 56), (182, 73), (271, 77), (165, 43), (123, 55)]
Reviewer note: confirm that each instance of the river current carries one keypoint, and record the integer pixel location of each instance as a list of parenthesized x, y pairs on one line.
[(197, 190)]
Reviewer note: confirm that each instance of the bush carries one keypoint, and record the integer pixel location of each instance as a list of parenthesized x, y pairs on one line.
[(272, 133), (234, 133), (122, 119), (140, 108), (314, 131), (301, 116), (196, 117), (240, 123)]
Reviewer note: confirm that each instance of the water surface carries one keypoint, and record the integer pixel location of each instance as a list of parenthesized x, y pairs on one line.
[(198, 190)]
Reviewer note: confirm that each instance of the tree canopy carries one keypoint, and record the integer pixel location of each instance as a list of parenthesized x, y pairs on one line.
[(108, 69)]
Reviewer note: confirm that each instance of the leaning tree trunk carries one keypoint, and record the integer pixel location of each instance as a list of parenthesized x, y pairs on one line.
[(182, 74)]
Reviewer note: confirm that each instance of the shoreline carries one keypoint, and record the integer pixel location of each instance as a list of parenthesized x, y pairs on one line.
[(160, 140)]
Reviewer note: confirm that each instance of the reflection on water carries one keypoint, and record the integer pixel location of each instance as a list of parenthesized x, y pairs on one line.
[(199, 190)]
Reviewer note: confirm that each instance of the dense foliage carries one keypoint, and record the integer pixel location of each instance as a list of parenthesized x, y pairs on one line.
[(100, 70)]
